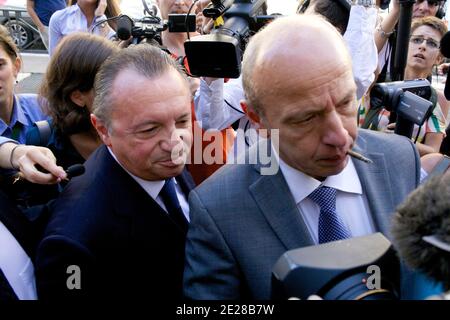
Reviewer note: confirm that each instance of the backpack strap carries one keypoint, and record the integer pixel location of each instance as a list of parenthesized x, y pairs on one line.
[(440, 167), (433, 97), (39, 134)]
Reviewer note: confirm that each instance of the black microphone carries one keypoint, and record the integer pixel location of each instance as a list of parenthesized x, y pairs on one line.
[(124, 26), (421, 229), (75, 170), (445, 50)]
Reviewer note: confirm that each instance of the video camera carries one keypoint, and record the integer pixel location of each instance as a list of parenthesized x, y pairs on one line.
[(147, 29), (219, 54), (409, 100), (360, 268)]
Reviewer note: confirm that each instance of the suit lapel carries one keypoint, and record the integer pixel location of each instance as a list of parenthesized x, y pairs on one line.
[(132, 200), (275, 201), (376, 186)]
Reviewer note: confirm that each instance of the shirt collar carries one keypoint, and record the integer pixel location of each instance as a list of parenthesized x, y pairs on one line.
[(18, 115), (153, 188), (301, 185)]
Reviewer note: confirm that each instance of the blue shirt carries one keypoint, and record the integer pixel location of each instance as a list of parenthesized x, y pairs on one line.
[(45, 8), (25, 112)]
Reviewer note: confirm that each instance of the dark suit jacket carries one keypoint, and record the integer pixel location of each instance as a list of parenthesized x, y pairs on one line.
[(24, 232), (125, 245), (243, 221)]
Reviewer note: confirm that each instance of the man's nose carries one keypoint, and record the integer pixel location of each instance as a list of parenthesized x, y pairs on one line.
[(172, 137), (334, 133)]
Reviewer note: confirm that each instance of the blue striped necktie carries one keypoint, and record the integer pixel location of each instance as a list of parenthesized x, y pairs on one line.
[(331, 227)]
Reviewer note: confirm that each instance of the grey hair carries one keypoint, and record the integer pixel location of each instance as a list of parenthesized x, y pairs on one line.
[(146, 60)]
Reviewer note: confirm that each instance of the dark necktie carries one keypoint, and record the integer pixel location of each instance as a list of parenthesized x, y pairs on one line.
[(331, 227), (170, 199)]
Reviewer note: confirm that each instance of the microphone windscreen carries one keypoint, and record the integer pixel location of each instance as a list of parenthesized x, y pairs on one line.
[(424, 213), (445, 45), (124, 26)]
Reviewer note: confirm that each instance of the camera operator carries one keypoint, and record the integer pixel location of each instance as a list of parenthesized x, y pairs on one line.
[(423, 54), (218, 103), (385, 36)]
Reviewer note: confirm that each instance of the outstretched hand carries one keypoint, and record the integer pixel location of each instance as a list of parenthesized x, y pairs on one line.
[(26, 158)]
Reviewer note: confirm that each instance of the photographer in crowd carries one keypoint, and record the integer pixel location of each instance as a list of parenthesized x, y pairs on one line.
[(423, 54)]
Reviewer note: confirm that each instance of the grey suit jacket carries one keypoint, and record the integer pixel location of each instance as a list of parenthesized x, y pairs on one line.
[(242, 221)]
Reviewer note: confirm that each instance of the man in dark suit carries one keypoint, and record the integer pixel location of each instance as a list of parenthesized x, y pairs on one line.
[(18, 244), (118, 231), (300, 92)]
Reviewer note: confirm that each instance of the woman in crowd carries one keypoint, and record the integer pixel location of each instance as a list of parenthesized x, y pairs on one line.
[(17, 112), (66, 94), (423, 54), (83, 15)]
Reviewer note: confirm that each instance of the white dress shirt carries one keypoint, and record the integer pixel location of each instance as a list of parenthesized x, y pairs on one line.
[(16, 266), (351, 204), (153, 188)]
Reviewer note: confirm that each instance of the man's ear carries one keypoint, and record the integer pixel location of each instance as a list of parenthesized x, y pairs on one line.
[(17, 66), (102, 130), (251, 113), (78, 98)]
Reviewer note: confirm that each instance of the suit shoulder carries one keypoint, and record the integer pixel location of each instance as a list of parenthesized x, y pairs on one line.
[(229, 175), (380, 141)]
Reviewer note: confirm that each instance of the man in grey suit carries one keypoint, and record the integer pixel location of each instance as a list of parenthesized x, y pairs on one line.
[(299, 86)]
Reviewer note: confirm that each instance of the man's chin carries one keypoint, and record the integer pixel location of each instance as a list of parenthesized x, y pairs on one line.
[(170, 169), (333, 168)]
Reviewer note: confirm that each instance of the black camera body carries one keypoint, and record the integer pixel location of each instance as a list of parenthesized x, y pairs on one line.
[(219, 54), (147, 29), (408, 99), (179, 22), (340, 270)]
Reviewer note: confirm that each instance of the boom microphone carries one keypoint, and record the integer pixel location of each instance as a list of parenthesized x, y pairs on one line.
[(445, 50), (124, 26), (421, 229)]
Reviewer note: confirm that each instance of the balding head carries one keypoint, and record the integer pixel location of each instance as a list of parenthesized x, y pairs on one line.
[(298, 81), (308, 41)]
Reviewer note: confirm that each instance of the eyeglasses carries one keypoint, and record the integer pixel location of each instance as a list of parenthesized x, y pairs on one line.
[(431, 43), (431, 3)]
